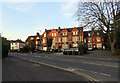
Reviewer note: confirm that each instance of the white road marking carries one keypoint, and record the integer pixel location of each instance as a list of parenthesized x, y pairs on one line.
[(74, 69), (105, 74), (99, 64), (94, 72)]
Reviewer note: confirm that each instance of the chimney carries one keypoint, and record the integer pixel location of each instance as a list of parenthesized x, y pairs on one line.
[(37, 33), (45, 29), (59, 28)]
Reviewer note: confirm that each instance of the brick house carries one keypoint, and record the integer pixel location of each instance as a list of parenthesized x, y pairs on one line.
[(62, 38), (16, 44), (37, 40), (65, 38), (93, 39)]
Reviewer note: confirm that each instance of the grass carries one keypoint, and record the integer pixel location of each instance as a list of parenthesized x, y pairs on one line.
[(48, 52)]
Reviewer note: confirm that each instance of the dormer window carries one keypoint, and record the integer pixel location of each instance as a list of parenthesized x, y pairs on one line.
[(44, 35), (75, 33), (54, 34), (64, 33), (37, 38), (31, 38)]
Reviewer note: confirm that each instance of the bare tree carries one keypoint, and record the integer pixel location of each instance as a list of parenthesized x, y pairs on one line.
[(101, 14)]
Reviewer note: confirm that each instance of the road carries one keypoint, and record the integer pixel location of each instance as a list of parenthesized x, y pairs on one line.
[(99, 69), (15, 69)]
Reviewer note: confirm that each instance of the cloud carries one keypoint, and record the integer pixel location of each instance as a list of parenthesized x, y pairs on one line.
[(68, 14), (21, 6), (68, 9)]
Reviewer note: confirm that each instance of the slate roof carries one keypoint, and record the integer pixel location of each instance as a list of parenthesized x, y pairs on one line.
[(60, 30), (16, 41)]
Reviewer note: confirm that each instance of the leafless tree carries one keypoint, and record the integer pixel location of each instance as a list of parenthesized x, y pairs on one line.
[(101, 14)]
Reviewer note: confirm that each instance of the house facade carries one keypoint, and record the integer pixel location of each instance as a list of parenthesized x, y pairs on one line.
[(93, 39), (36, 39), (16, 44), (63, 38)]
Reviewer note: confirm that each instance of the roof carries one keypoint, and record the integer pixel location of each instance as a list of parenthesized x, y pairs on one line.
[(33, 37), (60, 30), (16, 41), (92, 33)]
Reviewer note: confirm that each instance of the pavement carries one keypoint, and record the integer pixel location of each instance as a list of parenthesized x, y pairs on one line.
[(15, 69), (98, 54)]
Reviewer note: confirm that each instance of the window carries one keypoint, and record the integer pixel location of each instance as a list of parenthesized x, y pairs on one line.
[(36, 42), (27, 43), (44, 40), (31, 38), (64, 46), (64, 39), (89, 40), (64, 33), (97, 34), (15, 43), (76, 33), (73, 33), (88, 34), (75, 38), (44, 35), (98, 39), (89, 45), (37, 38), (52, 34), (56, 40), (75, 45), (59, 40), (99, 45), (84, 40)]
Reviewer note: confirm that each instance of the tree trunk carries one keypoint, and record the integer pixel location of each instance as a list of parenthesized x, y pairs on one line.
[(112, 48), (112, 43)]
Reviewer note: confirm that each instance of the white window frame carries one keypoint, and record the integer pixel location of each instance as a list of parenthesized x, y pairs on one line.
[(52, 34)]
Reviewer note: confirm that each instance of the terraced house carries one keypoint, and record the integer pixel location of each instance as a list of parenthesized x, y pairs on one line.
[(63, 38), (66, 38)]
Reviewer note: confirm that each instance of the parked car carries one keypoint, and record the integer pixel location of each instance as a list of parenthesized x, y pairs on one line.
[(71, 51)]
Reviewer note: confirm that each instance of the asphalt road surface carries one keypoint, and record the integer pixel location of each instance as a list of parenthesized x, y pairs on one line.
[(15, 69), (99, 69)]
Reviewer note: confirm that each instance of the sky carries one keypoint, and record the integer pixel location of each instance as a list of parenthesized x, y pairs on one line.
[(23, 19)]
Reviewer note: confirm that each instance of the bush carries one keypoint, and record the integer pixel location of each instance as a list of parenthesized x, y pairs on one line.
[(84, 48), (25, 49), (5, 47)]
